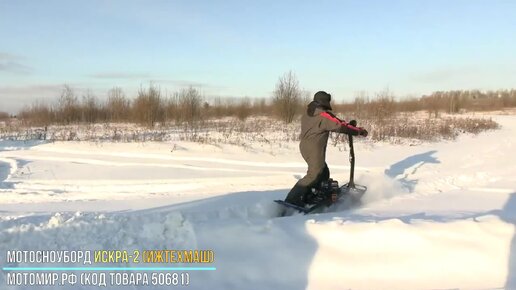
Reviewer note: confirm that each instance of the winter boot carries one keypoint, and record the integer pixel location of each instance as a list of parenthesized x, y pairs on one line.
[(297, 195)]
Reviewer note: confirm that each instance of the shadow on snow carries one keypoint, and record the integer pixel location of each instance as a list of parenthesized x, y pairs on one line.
[(508, 214), (415, 162)]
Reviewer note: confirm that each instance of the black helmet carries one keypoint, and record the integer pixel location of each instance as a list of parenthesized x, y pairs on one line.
[(323, 99)]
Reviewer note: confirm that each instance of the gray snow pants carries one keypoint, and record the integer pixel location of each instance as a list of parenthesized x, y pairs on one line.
[(317, 171)]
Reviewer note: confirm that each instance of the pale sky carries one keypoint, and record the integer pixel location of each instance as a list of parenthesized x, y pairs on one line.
[(240, 48)]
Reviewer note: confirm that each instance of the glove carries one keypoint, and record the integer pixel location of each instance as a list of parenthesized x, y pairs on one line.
[(363, 132), (353, 123)]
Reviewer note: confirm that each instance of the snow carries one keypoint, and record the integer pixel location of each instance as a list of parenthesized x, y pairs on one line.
[(435, 216)]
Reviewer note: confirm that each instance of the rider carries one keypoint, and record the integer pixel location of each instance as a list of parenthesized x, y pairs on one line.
[(316, 124)]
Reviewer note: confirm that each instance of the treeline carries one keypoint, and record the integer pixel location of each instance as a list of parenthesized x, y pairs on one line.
[(149, 107), (384, 104), (288, 101)]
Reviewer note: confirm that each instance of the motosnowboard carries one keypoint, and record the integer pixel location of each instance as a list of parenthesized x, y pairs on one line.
[(345, 197), (329, 193)]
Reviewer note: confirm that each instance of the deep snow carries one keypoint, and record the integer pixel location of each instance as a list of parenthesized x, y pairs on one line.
[(436, 215)]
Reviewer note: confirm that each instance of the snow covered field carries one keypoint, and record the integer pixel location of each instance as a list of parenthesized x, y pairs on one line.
[(436, 215)]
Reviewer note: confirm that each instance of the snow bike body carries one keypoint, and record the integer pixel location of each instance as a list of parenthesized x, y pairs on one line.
[(330, 193)]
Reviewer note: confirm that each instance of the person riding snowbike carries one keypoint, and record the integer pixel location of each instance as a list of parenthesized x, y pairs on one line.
[(316, 124)]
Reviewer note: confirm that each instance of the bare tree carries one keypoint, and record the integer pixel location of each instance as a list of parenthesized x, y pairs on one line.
[(117, 105), (190, 102), (409, 104), (384, 106), (243, 109), (68, 107), (38, 114), (287, 97), (361, 99), (218, 108), (90, 108), (260, 107), (432, 104), (172, 110), (147, 107)]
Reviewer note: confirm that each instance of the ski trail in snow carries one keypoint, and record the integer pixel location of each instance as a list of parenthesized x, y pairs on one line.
[(8, 167), (144, 164), (44, 182), (5, 170), (174, 158), (203, 165)]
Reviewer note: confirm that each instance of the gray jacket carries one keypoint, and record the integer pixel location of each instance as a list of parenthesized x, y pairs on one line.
[(316, 124)]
